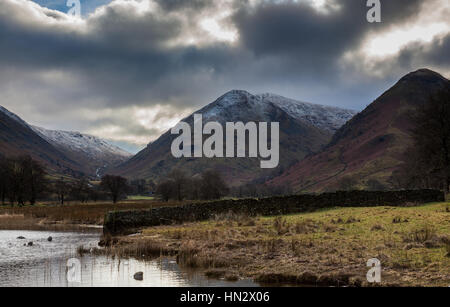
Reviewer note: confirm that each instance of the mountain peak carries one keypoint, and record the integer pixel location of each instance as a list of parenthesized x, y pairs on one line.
[(238, 104), (423, 74), (237, 92)]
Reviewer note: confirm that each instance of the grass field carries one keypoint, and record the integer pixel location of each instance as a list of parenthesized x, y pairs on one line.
[(139, 197), (329, 247)]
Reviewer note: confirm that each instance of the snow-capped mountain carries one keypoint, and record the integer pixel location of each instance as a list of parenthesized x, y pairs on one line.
[(97, 151), (304, 129), (323, 117), (63, 151), (90, 145), (17, 139)]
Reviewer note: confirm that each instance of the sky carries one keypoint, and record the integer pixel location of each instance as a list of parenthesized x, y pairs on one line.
[(129, 70)]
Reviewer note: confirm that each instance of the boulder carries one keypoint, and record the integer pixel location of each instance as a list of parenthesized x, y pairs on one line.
[(139, 276)]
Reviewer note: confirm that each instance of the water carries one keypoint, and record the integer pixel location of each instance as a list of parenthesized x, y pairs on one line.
[(45, 264)]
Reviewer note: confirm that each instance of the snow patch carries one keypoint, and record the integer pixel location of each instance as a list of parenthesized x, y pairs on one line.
[(239, 103), (90, 145)]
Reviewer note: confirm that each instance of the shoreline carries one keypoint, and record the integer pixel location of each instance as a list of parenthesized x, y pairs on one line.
[(326, 248), (36, 224)]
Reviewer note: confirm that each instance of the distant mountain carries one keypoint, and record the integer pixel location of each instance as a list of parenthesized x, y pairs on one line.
[(304, 129), (97, 153), (372, 144), (63, 152), (17, 138)]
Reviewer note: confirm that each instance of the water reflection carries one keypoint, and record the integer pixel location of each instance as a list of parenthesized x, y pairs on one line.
[(45, 265)]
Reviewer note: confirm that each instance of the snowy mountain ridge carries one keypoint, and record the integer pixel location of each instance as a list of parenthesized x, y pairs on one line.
[(91, 155), (237, 102), (90, 145)]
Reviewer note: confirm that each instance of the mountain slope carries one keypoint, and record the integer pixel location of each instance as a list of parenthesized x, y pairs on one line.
[(96, 153), (17, 138), (372, 144), (68, 153), (304, 129)]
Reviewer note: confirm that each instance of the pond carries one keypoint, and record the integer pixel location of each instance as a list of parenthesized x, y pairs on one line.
[(55, 263)]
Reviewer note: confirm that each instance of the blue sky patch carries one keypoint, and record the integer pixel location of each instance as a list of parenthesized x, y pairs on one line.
[(87, 6)]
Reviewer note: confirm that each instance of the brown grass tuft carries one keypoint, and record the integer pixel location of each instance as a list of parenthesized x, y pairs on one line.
[(281, 225), (420, 234)]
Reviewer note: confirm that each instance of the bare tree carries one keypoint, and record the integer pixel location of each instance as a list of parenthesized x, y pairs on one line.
[(24, 180), (4, 175), (80, 189), (34, 178), (432, 136), (165, 190), (115, 185), (61, 188), (212, 185), (427, 161), (180, 182)]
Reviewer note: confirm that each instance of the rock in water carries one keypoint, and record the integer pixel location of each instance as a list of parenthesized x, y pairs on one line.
[(21, 238), (50, 239), (30, 243), (139, 276)]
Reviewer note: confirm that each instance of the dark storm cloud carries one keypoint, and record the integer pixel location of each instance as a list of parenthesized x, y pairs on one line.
[(310, 41), (172, 5), (438, 53), (122, 57)]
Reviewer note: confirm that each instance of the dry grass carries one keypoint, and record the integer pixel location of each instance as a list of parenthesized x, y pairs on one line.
[(280, 225), (420, 234), (330, 247), (51, 216)]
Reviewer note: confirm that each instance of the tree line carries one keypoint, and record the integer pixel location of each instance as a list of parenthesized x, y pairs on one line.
[(24, 180), (179, 186)]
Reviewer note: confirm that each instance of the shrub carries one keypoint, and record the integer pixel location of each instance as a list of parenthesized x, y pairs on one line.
[(421, 234), (377, 227), (281, 226), (304, 227), (398, 220)]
